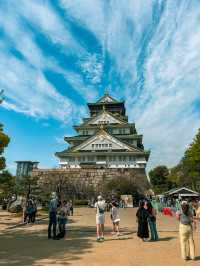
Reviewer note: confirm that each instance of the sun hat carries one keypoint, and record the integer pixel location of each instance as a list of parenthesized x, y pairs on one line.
[(99, 197)]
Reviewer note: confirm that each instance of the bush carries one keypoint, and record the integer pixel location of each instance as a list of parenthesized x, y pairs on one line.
[(16, 209), (81, 202)]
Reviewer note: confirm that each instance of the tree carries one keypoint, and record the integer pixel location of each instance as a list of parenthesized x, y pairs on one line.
[(159, 179), (191, 163), (7, 184), (27, 185), (122, 186), (4, 140)]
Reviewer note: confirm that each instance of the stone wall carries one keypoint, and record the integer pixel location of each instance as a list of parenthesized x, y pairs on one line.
[(90, 177)]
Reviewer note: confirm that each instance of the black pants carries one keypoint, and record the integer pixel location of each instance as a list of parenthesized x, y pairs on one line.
[(52, 222), (33, 217), (61, 230)]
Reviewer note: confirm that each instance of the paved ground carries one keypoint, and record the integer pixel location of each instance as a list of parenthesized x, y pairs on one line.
[(28, 245)]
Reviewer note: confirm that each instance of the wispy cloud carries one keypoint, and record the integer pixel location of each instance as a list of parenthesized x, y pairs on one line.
[(145, 51)]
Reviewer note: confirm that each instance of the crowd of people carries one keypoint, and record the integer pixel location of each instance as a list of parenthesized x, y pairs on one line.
[(188, 214)]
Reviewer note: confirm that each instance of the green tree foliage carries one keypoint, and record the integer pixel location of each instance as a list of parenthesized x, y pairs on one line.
[(27, 185), (7, 184), (4, 140), (159, 179), (121, 186), (191, 163)]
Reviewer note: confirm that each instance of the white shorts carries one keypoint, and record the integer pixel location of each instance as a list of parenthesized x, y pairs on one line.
[(100, 218), (116, 220)]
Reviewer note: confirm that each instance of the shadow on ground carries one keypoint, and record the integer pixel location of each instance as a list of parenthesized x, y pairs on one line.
[(166, 238), (23, 247)]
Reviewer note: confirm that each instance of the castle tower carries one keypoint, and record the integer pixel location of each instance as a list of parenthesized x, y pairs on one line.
[(105, 139)]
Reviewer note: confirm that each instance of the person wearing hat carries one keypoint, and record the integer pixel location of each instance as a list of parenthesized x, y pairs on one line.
[(53, 205), (185, 216), (100, 206)]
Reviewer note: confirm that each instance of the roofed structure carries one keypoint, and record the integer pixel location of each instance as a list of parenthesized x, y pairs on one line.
[(106, 138)]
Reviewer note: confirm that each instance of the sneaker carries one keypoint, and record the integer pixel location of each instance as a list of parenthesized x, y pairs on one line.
[(102, 238), (98, 239), (118, 234), (192, 258)]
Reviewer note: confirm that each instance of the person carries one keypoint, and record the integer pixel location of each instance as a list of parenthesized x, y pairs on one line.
[(185, 216), (71, 207), (34, 210), (142, 215), (126, 201), (67, 206), (100, 206), (114, 214), (28, 211), (152, 221), (62, 220), (53, 205)]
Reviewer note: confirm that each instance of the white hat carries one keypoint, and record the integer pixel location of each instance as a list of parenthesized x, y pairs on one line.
[(99, 197), (184, 202), (53, 195)]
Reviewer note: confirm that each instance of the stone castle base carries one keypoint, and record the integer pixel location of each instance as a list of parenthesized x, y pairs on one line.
[(84, 178)]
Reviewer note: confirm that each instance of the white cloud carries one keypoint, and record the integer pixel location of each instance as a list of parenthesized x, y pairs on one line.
[(158, 50)]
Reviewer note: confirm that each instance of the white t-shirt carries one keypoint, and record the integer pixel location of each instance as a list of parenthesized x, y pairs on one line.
[(100, 205)]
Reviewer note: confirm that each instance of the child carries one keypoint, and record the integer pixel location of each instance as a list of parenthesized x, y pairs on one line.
[(62, 220), (115, 217)]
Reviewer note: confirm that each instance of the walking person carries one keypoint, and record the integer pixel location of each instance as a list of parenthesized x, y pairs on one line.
[(185, 216), (53, 205), (115, 218), (142, 215), (152, 221), (100, 206)]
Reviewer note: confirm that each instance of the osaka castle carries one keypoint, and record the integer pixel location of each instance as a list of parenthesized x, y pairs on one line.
[(105, 139)]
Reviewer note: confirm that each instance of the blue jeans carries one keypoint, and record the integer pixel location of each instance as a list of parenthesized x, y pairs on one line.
[(152, 225)]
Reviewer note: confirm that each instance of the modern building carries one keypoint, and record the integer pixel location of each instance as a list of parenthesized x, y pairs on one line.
[(105, 139), (25, 168)]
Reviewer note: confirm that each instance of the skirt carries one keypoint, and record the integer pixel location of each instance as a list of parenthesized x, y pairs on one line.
[(100, 218)]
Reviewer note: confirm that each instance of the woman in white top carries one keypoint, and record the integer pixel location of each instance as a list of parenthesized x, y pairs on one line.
[(115, 217), (100, 206)]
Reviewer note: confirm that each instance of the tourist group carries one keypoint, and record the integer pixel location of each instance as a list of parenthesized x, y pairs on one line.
[(188, 215)]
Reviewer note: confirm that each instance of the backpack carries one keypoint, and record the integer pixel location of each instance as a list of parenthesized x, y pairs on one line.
[(101, 210)]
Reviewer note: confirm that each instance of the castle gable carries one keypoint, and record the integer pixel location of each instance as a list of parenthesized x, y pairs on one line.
[(103, 141), (106, 99), (105, 118)]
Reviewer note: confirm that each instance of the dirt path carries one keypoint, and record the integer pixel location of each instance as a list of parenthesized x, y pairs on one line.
[(28, 245)]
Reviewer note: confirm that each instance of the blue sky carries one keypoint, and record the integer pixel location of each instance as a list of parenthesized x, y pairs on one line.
[(55, 56)]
